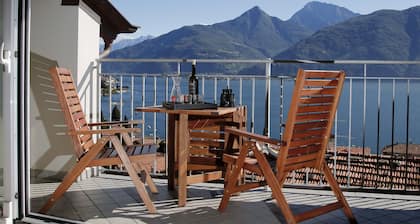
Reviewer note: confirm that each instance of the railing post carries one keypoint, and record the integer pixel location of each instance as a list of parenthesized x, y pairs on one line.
[(121, 98), (267, 97), (110, 97), (143, 104), (97, 170), (349, 133), (281, 115), (99, 90), (154, 104), (364, 119), (166, 125), (407, 139), (132, 98)]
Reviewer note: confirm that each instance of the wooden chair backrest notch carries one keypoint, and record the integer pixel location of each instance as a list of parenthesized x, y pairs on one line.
[(310, 119), (73, 112)]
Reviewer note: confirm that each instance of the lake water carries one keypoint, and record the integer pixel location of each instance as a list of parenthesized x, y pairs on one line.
[(373, 135)]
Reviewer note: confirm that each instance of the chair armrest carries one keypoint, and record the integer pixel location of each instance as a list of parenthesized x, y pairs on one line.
[(256, 137), (107, 123), (111, 131)]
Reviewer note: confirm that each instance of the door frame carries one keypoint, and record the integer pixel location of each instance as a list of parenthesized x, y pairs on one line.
[(10, 143)]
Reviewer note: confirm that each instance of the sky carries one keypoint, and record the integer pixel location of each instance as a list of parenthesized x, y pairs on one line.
[(157, 17)]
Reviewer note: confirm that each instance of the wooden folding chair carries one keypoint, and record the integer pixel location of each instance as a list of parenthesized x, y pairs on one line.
[(207, 143), (92, 153), (304, 144)]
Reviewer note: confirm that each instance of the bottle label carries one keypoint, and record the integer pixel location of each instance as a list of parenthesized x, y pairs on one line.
[(191, 88)]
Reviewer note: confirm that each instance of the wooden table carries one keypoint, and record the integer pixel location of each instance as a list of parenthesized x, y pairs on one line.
[(179, 139)]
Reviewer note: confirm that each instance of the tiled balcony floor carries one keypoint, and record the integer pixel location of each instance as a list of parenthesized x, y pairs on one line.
[(113, 199)]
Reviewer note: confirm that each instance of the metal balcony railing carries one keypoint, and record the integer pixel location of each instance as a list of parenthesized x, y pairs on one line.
[(375, 144)]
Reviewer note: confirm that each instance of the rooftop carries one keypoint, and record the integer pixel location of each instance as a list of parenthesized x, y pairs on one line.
[(113, 199)]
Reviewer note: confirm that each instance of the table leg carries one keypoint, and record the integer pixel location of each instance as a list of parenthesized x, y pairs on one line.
[(171, 151), (183, 144)]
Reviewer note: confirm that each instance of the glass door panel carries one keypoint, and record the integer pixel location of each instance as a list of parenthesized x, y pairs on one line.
[(2, 149)]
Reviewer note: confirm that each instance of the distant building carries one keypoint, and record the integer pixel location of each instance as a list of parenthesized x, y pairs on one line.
[(412, 150), (353, 149)]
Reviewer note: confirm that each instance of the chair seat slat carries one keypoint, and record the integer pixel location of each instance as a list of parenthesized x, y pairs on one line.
[(308, 141), (206, 135), (320, 82), (308, 133), (209, 143), (312, 117), (309, 109), (318, 92), (310, 125), (316, 100), (304, 150)]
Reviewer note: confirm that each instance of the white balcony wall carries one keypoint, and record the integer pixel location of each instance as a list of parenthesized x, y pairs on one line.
[(87, 53), (69, 37)]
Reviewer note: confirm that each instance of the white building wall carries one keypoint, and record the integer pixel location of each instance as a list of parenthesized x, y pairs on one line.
[(68, 35), (88, 52), (54, 31)]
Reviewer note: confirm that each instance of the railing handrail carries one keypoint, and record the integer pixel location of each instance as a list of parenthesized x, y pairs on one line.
[(262, 61), (210, 75)]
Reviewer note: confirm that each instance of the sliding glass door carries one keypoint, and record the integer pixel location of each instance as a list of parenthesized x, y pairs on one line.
[(2, 148), (8, 108)]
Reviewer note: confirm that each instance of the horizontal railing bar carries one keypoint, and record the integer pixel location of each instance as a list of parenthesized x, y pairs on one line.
[(250, 77), (295, 61), (206, 76), (178, 60)]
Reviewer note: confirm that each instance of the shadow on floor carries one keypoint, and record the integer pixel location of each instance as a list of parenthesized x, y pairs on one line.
[(110, 200)]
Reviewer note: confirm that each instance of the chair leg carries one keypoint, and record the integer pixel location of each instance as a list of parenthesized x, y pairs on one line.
[(338, 193), (63, 187), (275, 186), (73, 174), (144, 172), (226, 193), (141, 189)]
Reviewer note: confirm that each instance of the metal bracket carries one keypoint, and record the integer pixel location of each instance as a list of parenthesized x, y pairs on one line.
[(5, 58), (7, 209)]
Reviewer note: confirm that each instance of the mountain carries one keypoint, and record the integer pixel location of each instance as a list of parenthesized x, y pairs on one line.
[(252, 35), (126, 42), (382, 35), (267, 34), (317, 15)]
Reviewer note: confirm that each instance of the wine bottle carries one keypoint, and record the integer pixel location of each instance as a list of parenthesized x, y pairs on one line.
[(193, 83)]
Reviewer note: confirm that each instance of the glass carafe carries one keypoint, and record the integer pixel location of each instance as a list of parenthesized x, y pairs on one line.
[(176, 95)]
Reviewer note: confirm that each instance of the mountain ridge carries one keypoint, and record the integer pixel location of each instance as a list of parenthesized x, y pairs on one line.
[(254, 34), (382, 35)]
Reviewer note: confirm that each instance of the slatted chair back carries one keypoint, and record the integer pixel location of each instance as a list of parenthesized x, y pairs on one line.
[(207, 144), (73, 112), (310, 119), (207, 139)]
